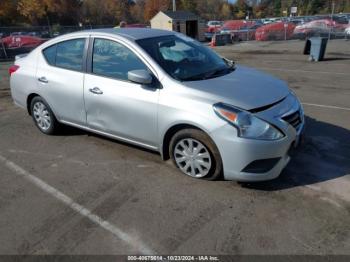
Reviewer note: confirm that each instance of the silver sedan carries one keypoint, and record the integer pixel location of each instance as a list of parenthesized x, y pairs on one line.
[(166, 92)]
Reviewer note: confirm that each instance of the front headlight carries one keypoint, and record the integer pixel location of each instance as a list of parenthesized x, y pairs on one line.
[(248, 125)]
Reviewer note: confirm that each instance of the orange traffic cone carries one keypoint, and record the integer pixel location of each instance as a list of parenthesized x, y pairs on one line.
[(213, 41)]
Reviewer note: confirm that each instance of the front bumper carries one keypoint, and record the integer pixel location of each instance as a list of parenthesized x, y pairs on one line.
[(238, 153)]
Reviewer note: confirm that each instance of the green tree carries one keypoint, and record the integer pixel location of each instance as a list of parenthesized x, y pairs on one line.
[(33, 10), (8, 12), (210, 9), (137, 11), (277, 5), (226, 11), (241, 9), (188, 5), (315, 6), (121, 9), (152, 7)]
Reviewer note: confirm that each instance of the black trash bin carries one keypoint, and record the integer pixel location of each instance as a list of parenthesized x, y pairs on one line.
[(222, 39), (316, 48)]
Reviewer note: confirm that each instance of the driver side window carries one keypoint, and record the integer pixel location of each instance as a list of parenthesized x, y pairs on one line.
[(114, 60)]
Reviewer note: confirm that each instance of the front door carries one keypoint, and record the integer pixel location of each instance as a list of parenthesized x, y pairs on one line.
[(114, 104)]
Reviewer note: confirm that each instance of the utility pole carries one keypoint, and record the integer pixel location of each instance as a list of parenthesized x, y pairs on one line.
[(330, 28), (174, 5)]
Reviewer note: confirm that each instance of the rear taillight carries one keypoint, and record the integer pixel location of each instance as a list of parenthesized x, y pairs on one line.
[(13, 69)]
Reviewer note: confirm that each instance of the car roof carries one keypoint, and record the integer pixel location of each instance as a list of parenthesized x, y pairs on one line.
[(132, 33)]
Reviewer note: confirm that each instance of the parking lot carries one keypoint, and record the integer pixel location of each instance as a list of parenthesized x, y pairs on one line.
[(79, 193)]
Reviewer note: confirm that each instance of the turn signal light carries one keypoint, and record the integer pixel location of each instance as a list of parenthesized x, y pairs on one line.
[(229, 115)]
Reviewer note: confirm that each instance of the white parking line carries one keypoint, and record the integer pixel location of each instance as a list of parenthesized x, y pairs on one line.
[(133, 242), (326, 106)]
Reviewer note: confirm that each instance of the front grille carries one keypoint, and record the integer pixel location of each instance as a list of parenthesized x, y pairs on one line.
[(293, 119)]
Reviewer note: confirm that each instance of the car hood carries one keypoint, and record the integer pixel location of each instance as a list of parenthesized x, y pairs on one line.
[(245, 88)]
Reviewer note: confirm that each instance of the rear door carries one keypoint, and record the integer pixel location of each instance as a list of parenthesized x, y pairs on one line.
[(60, 77)]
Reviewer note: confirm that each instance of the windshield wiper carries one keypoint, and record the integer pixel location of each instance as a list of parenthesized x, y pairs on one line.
[(216, 72), (210, 74), (200, 76)]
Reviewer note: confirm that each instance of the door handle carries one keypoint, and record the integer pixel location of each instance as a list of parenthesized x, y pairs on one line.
[(43, 80), (96, 91)]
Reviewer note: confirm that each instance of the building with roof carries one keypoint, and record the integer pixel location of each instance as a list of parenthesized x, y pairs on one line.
[(180, 21)]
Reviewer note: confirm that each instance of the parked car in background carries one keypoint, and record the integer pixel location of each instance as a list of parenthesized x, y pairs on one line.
[(212, 28), (22, 41), (231, 25), (275, 31), (214, 24), (321, 27), (163, 91), (36, 34), (297, 21), (347, 31), (342, 19), (17, 33), (19, 44), (245, 33), (266, 21), (271, 20)]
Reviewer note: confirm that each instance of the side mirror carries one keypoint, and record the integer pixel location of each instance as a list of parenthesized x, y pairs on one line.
[(142, 77)]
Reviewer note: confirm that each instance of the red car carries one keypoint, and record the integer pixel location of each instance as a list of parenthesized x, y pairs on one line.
[(18, 44), (213, 26), (319, 27), (236, 24), (22, 41), (245, 33), (275, 31), (240, 30)]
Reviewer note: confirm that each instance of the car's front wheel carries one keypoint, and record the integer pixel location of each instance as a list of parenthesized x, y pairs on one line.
[(43, 116), (195, 154)]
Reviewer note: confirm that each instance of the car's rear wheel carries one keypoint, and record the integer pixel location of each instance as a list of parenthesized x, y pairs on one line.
[(43, 116), (195, 154)]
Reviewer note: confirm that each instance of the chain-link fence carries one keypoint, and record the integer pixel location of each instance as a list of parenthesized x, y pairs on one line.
[(284, 28), (17, 40), (285, 31)]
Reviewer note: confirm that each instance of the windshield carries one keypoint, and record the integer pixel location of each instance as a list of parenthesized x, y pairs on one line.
[(214, 23), (184, 58)]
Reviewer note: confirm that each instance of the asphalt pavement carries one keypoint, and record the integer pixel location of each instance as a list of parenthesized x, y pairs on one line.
[(79, 193)]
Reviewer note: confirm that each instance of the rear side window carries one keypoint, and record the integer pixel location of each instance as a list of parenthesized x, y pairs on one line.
[(50, 54), (114, 60), (68, 54)]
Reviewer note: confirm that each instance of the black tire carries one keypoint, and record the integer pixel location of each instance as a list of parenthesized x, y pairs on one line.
[(53, 126), (216, 170)]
